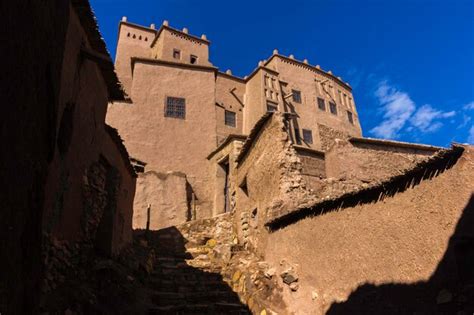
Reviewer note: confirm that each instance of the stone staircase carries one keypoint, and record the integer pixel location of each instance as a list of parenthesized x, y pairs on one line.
[(185, 281)]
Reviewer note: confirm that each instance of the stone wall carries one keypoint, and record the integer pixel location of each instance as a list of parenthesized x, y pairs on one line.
[(167, 195), (397, 251), (269, 178), (328, 136)]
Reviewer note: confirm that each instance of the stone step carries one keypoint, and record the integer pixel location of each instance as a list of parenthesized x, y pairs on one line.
[(165, 298), (192, 275), (189, 286), (217, 308)]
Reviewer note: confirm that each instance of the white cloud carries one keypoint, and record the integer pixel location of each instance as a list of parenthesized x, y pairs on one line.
[(469, 106), (425, 116), (470, 137), (400, 113), (397, 107)]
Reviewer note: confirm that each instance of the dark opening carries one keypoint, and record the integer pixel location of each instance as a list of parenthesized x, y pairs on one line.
[(333, 108), (296, 96), (321, 104)]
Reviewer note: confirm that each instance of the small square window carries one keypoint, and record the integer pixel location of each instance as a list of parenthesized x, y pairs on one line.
[(321, 104), (193, 59), (333, 108), (296, 96), (175, 107), (176, 54), (307, 136), (349, 117), (229, 118), (272, 107), (297, 136)]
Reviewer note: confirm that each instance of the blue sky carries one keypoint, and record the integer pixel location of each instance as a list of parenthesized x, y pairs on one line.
[(410, 62)]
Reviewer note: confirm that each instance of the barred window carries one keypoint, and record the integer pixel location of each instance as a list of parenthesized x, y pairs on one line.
[(321, 104), (296, 96), (229, 118), (307, 136), (349, 117), (271, 107), (333, 108), (175, 107)]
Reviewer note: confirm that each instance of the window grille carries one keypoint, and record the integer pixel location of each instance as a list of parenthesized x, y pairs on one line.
[(229, 118), (307, 136), (175, 107), (296, 96), (271, 107)]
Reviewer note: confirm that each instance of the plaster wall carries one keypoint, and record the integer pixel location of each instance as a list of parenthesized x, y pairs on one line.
[(133, 41), (231, 101), (171, 144), (308, 82), (167, 195), (254, 102), (400, 240), (169, 40)]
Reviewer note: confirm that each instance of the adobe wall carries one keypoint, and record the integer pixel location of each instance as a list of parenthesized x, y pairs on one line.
[(307, 80), (272, 172), (368, 163), (171, 144), (399, 240), (90, 184), (227, 154), (32, 53), (117, 156), (58, 142), (167, 196), (188, 45), (133, 41), (231, 101), (80, 132), (254, 102)]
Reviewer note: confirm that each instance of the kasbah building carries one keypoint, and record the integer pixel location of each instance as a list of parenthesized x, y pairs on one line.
[(275, 164)]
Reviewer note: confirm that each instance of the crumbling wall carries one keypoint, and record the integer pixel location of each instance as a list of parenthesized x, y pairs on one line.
[(368, 163), (269, 178), (402, 239), (168, 196), (328, 136), (313, 167), (226, 154)]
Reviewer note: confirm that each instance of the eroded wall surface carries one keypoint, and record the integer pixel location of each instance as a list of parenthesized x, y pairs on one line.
[(398, 240), (166, 195), (368, 163)]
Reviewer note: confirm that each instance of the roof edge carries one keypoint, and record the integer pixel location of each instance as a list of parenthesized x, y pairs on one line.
[(231, 137)]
